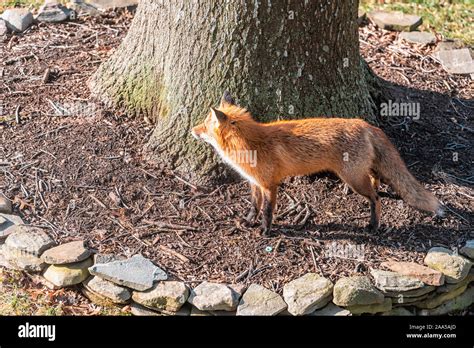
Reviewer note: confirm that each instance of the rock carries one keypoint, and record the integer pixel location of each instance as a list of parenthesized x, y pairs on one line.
[(5, 203), (411, 293), (331, 310), (31, 240), (438, 299), (66, 253), (468, 249), (136, 272), (401, 300), (67, 275), (184, 311), (396, 21), (418, 37), (454, 267), (18, 19), (459, 303), (3, 32), (425, 274), (97, 299), (164, 296), (105, 5), (53, 12), (449, 45), (140, 310), (214, 297), (392, 281), (4, 261), (117, 294), (457, 61), (259, 301), (81, 8), (23, 247), (21, 260), (451, 287), (223, 313), (307, 293), (398, 312), (356, 290), (107, 258), (385, 306), (8, 225)]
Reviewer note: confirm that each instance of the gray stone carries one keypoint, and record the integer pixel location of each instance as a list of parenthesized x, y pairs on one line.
[(411, 293), (117, 294), (468, 249), (449, 45), (23, 247), (5, 203), (459, 303), (67, 275), (259, 301), (214, 297), (307, 293), (396, 21), (356, 290), (8, 225), (142, 311), (418, 37), (97, 298), (457, 61), (164, 296), (66, 253), (402, 300), (53, 13), (31, 240), (21, 260), (331, 310), (111, 4), (184, 311), (137, 272), (454, 267), (18, 19), (392, 281), (450, 287), (374, 308), (437, 299), (3, 32)]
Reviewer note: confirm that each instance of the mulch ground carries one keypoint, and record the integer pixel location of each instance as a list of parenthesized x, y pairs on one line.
[(86, 177)]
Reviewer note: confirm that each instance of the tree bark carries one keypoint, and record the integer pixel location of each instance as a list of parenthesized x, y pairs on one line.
[(280, 58)]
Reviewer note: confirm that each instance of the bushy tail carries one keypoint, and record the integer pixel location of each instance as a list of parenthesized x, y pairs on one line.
[(390, 166)]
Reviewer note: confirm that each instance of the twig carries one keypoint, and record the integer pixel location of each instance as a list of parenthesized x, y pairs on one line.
[(174, 253)]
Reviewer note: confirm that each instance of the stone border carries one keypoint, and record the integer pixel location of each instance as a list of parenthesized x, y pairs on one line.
[(441, 286)]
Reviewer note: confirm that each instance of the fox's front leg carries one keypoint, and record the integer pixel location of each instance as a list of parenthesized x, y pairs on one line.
[(256, 201), (269, 203)]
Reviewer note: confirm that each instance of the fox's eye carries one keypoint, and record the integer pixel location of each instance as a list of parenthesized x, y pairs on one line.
[(233, 122)]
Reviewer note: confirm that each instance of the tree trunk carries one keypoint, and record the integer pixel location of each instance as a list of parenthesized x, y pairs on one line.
[(279, 58)]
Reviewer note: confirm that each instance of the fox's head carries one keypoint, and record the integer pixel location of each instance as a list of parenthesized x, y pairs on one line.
[(221, 122)]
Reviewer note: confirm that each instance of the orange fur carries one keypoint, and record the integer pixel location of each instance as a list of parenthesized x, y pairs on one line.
[(360, 154)]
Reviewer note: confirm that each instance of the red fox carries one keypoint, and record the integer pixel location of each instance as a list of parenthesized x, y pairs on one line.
[(360, 154)]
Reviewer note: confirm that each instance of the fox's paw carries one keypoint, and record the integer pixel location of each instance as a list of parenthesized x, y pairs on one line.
[(372, 228)]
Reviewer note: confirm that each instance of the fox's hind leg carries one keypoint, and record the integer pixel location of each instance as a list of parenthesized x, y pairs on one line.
[(269, 203), (363, 185), (256, 201)]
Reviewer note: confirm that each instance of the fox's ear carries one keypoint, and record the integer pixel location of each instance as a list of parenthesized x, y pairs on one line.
[(217, 115), (227, 99)]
